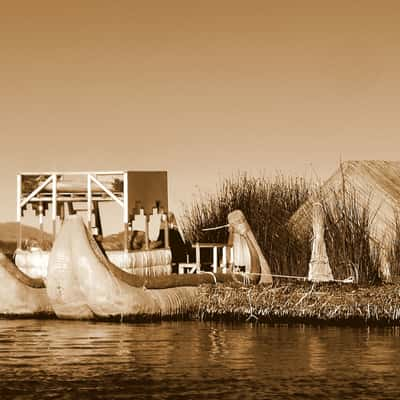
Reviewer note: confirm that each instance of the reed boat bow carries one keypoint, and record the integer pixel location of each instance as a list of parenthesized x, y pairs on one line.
[(21, 295)]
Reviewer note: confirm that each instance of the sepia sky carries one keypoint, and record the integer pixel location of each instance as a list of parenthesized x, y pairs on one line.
[(199, 88)]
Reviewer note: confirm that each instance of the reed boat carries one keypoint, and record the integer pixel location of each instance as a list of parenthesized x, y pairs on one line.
[(82, 283), (79, 280), (20, 294)]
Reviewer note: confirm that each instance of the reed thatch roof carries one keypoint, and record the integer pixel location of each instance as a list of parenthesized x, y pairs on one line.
[(373, 184)]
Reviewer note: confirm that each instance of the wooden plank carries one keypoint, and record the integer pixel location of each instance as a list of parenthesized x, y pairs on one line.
[(210, 245)]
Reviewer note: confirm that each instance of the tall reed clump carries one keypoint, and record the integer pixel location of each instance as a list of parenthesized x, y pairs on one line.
[(351, 248), (267, 205)]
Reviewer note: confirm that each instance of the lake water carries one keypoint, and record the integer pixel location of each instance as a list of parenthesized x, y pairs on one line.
[(42, 359)]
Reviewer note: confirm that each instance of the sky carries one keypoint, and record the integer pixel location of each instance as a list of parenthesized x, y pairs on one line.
[(201, 89)]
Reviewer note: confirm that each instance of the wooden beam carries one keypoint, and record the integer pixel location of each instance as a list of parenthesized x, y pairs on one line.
[(111, 194), (210, 245), (36, 191), (72, 173)]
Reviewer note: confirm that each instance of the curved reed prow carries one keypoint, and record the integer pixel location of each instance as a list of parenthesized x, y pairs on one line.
[(20, 294), (13, 270), (258, 263)]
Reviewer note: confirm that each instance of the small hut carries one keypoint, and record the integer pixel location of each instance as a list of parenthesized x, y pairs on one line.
[(373, 185)]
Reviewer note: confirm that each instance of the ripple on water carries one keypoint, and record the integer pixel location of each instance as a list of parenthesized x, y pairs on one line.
[(65, 359)]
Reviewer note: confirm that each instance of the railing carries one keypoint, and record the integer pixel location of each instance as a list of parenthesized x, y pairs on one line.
[(47, 192), (227, 256)]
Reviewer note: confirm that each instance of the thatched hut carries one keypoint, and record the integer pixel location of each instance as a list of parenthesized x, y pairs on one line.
[(367, 185)]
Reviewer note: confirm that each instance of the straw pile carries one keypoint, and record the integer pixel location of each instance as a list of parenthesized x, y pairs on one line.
[(301, 302)]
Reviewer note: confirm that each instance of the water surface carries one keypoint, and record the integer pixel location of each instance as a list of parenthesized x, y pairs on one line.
[(42, 359)]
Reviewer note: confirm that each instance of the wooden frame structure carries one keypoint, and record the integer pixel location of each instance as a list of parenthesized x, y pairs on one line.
[(49, 188), (227, 257)]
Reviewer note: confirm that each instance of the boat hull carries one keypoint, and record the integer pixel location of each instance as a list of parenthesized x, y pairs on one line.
[(80, 284), (63, 287), (21, 295)]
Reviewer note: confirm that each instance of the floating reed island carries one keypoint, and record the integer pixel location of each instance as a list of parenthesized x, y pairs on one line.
[(283, 249), (306, 302), (348, 228)]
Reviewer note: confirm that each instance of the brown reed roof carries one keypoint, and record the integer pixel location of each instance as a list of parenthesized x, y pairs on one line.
[(375, 184)]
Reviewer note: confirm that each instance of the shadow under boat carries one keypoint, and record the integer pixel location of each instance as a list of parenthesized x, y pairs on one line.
[(82, 283)]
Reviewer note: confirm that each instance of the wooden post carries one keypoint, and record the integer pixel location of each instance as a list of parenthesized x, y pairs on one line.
[(229, 258), (89, 202), (166, 231), (62, 212), (41, 223), (19, 211), (71, 210), (215, 259), (198, 262), (125, 213), (224, 261), (54, 204), (230, 236), (97, 218), (146, 232), (126, 234)]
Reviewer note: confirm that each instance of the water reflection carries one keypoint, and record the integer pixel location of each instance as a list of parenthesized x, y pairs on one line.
[(44, 359)]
